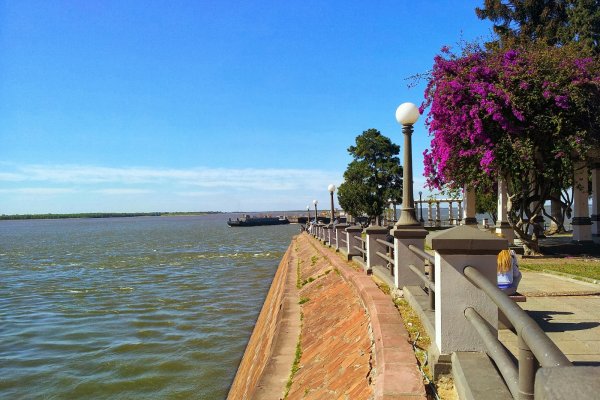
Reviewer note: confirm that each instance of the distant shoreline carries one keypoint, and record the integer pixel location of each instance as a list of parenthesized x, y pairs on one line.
[(4, 217)]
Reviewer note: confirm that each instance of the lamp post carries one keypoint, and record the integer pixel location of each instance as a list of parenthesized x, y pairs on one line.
[(406, 115), (315, 204), (421, 207), (331, 189), (308, 213)]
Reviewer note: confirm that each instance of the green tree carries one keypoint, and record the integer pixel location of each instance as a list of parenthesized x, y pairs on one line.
[(551, 22), (373, 176)]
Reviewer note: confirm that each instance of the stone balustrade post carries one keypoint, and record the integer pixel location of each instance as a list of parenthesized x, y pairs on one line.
[(352, 242), (455, 249), (339, 234), (450, 213), (430, 213), (403, 256), (438, 215), (374, 233), (328, 234)]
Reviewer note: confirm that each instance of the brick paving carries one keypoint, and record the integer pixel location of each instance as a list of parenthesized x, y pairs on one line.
[(393, 372), (354, 344), (336, 347)]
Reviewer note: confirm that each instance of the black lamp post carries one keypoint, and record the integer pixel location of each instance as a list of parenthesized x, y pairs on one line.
[(308, 214), (315, 202), (406, 115), (421, 207), (331, 189)]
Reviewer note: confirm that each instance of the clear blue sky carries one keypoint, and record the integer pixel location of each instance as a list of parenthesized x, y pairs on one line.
[(205, 105)]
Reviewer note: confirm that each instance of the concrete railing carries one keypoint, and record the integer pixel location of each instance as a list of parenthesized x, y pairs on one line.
[(464, 302), (534, 345)]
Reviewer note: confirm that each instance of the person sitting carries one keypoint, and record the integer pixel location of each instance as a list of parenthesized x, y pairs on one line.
[(508, 272)]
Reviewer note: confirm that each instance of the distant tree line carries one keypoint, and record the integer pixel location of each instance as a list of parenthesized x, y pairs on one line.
[(101, 215)]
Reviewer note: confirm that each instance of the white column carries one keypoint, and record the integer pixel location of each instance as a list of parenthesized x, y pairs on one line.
[(450, 213), (582, 225), (430, 214), (469, 208), (438, 216), (502, 225), (596, 202)]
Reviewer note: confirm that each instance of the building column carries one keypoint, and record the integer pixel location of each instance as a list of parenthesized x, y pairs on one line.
[(596, 202), (502, 226), (469, 209), (450, 213), (438, 216), (582, 224)]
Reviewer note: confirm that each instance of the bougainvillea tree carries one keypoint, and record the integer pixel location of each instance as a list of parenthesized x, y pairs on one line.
[(525, 115)]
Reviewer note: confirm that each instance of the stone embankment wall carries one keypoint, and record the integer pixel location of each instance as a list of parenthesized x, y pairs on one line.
[(260, 347), (351, 338)]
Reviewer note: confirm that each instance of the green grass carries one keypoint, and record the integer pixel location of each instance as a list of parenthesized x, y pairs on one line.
[(304, 300), (296, 364), (582, 268)]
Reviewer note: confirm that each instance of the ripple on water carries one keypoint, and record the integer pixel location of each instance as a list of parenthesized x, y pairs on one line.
[(146, 308)]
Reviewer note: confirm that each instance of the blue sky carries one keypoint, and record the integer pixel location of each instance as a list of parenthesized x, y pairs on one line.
[(205, 105)]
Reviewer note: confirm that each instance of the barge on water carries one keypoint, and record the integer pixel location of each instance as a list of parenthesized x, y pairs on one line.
[(247, 220)]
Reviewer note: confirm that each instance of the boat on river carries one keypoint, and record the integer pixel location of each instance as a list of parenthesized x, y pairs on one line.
[(247, 220)]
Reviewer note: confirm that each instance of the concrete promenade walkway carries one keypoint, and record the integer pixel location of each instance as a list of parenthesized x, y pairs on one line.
[(567, 310)]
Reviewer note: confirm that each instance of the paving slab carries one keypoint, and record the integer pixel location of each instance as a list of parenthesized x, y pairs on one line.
[(566, 309)]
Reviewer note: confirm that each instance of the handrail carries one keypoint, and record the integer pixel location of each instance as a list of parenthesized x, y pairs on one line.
[(359, 238), (544, 349), (363, 251), (428, 284), (385, 243), (496, 351), (385, 257), (421, 253), (534, 344)]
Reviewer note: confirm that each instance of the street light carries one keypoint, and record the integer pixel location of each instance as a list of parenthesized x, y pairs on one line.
[(308, 213), (331, 189), (315, 204), (406, 115), (421, 206)]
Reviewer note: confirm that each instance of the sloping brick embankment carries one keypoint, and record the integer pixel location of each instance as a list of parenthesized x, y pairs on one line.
[(354, 344)]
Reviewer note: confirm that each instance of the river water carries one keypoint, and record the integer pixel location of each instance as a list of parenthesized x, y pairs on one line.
[(135, 308)]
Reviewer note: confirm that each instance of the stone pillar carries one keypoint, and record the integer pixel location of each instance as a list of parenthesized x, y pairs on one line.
[(438, 216), (352, 242), (596, 202), (450, 213), (582, 224), (502, 225), (469, 209), (454, 249), (459, 213), (329, 234), (339, 234), (430, 213), (374, 233), (403, 257)]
